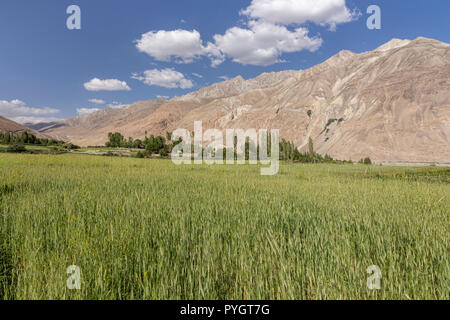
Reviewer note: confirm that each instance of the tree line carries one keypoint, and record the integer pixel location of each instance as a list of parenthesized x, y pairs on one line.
[(26, 138), (149, 145), (164, 146)]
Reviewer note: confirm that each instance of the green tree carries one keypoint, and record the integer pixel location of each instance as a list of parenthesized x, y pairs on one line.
[(366, 161), (311, 146), (138, 144), (116, 140), (24, 137)]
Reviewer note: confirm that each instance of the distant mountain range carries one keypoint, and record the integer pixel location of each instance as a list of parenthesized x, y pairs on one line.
[(391, 104)]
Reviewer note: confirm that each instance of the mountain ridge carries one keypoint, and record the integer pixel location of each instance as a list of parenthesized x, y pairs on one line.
[(391, 103)]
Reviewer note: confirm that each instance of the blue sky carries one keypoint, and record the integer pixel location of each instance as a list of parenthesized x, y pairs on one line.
[(46, 69)]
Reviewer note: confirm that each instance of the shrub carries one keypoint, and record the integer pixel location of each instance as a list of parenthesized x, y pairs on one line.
[(139, 155), (367, 161), (16, 148), (330, 121), (70, 146)]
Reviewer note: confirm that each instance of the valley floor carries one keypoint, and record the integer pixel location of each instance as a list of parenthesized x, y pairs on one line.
[(147, 229), (413, 163)]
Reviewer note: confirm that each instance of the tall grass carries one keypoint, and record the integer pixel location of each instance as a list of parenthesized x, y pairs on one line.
[(147, 229)]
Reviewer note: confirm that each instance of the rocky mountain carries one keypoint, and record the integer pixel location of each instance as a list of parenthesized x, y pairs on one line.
[(238, 85), (391, 104)]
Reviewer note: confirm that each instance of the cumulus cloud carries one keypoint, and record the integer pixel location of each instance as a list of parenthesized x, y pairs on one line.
[(273, 28), (18, 111), (285, 12), (167, 78), (85, 111), (264, 43), (183, 46), (106, 85), (97, 101), (164, 45)]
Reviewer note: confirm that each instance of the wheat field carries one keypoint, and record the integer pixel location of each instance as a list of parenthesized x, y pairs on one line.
[(147, 229)]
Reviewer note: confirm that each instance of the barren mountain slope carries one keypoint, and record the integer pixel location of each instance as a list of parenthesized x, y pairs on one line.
[(7, 125), (238, 85), (93, 129), (390, 104)]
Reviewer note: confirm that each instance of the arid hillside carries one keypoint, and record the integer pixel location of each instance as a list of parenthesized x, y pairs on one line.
[(7, 125), (391, 104)]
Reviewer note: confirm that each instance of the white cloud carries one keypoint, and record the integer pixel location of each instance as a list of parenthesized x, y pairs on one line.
[(322, 12), (225, 78), (106, 85), (183, 46), (85, 111), (273, 28), (97, 101), (113, 105), (117, 105), (215, 54), (35, 120), (167, 78), (197, 75), (163, 97), (18, 111), (17, 107), (164, 45), (264, 43)]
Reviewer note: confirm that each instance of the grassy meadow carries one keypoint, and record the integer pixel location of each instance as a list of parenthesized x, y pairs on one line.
[(147, 229)]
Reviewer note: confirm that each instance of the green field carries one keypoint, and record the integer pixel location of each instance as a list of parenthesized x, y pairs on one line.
[(4, 147), (147, 229)]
